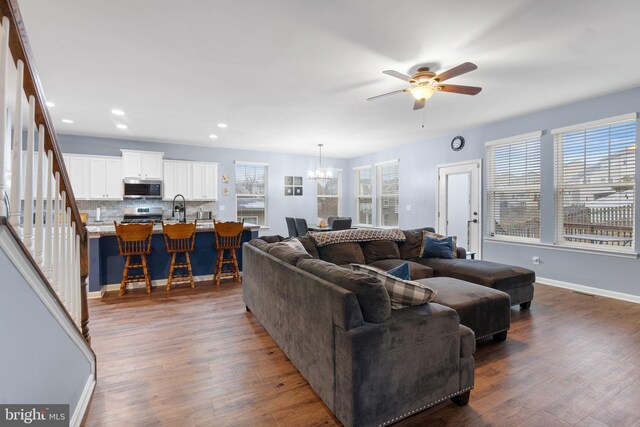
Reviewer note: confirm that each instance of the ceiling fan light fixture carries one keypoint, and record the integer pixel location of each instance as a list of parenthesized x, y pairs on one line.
[(422, 92)]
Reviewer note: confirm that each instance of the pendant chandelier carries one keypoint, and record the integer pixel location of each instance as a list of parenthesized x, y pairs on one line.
[(320, 173)]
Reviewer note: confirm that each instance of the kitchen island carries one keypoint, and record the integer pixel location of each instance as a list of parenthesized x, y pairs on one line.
[(106, 265)]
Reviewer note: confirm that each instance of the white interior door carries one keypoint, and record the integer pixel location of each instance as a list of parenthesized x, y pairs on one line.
[(459, 201)]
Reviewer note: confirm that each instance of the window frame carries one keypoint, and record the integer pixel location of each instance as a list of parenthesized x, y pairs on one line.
[(266, 190), (560, 186), (380, 204), (359, 196), (337, 175), (491, 187)]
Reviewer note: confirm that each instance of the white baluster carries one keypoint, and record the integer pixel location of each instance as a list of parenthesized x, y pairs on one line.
[(78, 305), (72, 269), (48, 232), (62, 247), (68, 265), (28, 180), (55, 256), (5, 130), (16, 154), (39, 199)]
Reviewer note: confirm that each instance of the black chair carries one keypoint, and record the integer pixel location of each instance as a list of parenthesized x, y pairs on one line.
[(301, 227), (330, 220), (291, 227), (341, 224)]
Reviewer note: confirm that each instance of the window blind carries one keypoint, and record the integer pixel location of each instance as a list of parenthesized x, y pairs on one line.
[(251, 192), (388, 188), (364, 193), (595, 185), (513, 188)]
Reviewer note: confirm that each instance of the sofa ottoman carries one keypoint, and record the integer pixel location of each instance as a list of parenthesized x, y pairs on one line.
[(516, 281), (484, 310)]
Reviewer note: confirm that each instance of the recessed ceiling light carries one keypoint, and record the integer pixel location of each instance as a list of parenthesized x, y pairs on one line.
[(117, 112), (222, 125), (50, 104), (121, 126), (67, 121), (213, 136)]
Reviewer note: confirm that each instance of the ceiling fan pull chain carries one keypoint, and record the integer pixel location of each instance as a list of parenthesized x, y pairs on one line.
[(424, 112)]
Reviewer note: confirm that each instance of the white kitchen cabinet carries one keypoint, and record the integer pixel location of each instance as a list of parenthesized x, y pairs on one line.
[(204, 184), (142, 164), (105, 178), (78, 170), (177, 179)]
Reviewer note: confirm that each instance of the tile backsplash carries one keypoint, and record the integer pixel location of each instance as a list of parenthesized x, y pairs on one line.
[(112, 210)]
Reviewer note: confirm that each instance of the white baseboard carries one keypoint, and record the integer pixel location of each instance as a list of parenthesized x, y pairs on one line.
[(83, 402), (589, 290), (138, 285)]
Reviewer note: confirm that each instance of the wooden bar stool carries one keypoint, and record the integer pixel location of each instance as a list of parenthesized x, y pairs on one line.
[(180, 238), (134, 240), (228, 237)]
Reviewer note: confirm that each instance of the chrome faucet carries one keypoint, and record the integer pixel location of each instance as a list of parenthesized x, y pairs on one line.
[(179, 208)]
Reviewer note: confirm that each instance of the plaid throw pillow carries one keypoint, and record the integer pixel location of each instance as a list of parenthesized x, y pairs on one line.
[(403, 293), (438, 236)]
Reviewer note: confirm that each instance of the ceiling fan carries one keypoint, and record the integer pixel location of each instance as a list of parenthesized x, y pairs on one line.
[(424, 83)]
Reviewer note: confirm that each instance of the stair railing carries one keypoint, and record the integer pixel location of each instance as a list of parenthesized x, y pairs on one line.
[(35, 190)]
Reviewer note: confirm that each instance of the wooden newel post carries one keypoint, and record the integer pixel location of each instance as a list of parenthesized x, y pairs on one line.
[(84, 274)]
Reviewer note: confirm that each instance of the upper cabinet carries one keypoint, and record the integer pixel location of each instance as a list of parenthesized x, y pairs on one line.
[(177, 179), (142, 164), (95, 177), (204, 184), (78, 169)]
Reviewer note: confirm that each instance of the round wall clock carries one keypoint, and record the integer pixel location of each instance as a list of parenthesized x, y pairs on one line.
[(457, 143)]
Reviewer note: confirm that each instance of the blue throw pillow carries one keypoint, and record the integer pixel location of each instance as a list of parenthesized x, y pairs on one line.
[(438, 248), (401, 271)]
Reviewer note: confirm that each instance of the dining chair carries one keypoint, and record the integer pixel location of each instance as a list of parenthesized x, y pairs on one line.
[(228, 240), (291, 227), (180, 239), (341, 224), (134, 240), (301, 226)]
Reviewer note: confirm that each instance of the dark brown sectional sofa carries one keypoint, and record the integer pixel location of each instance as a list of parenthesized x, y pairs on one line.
[(371, 365)]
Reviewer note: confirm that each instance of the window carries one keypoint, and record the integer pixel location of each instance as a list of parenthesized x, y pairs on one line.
[(513, 187), (251, 192), (329, 195), (388, 186), (364, 199), (595, 183)]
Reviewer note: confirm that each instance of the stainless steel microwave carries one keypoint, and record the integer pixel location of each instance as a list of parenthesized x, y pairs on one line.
[(142, 189)]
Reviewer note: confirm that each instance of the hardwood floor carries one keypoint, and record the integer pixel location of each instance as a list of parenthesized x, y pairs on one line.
[(196, 358)]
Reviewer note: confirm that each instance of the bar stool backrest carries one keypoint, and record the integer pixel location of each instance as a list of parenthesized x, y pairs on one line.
[(134, 239), (179, 237), (228, 234)]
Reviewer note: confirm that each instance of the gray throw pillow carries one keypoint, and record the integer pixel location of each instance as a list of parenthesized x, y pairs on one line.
[(371, 295)]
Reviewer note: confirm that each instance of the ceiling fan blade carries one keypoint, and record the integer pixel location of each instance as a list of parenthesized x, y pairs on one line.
[(419, 104), (465, 90), (386, 94), (397, 75), (456, 71)]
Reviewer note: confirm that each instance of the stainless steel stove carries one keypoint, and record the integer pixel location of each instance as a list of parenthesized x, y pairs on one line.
[(142, 215)]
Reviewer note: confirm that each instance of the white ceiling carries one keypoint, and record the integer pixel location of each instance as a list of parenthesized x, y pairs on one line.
[(289, 74)]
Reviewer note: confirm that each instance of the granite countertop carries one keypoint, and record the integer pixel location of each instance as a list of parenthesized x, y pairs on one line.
[(106, 229)]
